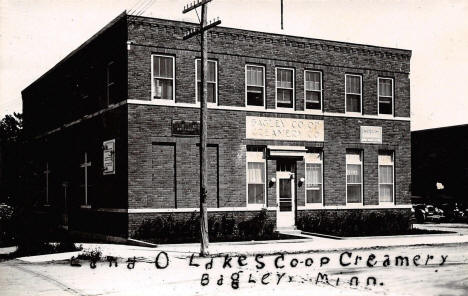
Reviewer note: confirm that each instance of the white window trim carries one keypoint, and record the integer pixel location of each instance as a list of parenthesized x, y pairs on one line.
[(346, 94), (293, 88), (362, 181), (163, 101), (321, 93), (378, 97), (253, 156), (313, 205), (216, 84), (393, 184), (264, 89)]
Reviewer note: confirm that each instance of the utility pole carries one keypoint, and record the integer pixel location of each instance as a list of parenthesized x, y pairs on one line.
[(202, 30), (281, 14)]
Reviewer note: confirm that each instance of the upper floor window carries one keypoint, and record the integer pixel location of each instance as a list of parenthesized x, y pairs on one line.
[(255, 85), (162, 80), (211, 79), (385, 95), (353, 177), (256, 185), (353, 93), (110, 82), (386, 177), (284, 88), (313, 90), (313, 183)]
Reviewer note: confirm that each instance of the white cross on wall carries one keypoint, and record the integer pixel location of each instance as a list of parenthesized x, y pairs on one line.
[(47, 172), (85, 165)]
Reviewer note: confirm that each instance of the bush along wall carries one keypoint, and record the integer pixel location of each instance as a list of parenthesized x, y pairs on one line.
[(355, 222), (174, 228)]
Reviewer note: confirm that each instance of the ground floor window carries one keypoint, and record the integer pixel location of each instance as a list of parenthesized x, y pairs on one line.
[(256, 176), (313, 182), (353, 176), (386, 177)]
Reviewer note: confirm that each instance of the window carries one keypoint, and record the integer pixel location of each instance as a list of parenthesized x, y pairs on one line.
[(354, 177), (313, 90), (386, 177), (313, 183), (110, 82), (162, 82), (353, 93), (211, 79), (284, 88), (255, 85), (255, 176), (385, 95)]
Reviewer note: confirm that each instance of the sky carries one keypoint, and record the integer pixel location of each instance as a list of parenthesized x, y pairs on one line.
[(37, 34)]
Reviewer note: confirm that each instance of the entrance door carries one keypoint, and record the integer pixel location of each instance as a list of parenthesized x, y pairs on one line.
[(285, 199)]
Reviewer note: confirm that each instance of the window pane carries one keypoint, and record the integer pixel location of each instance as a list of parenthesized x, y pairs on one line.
[(211, 76), (385, 87), (314, 196), (254, 76), (313, 81), (313, 174), (385, 174), (254, 96), (313, 100), (284, 98), (162, 67), (353, 173), (284, 78), (162, 89), (354, 193), (386, 193), (353, 103), (353, 157), (353, 84), (256, 172), (256, 193), (385, 106)]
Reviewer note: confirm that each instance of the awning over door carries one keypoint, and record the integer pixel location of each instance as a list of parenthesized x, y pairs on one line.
[(291, 151)]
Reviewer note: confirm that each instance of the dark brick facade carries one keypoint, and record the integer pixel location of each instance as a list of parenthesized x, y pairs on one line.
[(157, 171)]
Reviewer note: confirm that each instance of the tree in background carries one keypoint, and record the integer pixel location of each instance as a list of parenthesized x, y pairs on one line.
[(11, 160)]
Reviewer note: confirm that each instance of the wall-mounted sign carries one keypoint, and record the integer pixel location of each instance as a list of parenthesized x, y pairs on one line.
[(371, 134), (289, 129), (185, 128), (109, 157)]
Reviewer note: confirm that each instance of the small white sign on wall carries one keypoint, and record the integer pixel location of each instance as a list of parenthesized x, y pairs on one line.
[(371, 134), (109, 157)]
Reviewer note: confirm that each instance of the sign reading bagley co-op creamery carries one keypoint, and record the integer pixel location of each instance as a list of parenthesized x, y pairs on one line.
[(289, 129)]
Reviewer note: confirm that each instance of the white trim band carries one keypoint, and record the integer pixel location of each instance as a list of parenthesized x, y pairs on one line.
[(256, 109)]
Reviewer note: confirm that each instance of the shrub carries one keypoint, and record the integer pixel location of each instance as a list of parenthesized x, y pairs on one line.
[(7, 234), (167, 229), (91, 254), (355, 222)]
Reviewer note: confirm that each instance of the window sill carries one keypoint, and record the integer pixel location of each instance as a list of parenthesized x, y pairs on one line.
[(254, 108), (313, 111), (164, 102), (256, 206), (283, 109), (385, 116)]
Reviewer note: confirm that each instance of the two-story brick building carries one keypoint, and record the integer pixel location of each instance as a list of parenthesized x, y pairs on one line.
[(296, 125)]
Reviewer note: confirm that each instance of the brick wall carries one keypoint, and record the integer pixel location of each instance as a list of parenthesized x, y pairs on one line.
[(233, 49)]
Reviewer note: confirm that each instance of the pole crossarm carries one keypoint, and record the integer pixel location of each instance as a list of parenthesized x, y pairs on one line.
[(194, 5), (194, 32)]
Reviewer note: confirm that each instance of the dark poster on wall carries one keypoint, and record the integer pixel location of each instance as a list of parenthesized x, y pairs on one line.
[(185, 128)]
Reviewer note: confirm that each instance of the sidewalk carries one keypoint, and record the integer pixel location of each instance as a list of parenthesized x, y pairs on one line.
[(315, 244)]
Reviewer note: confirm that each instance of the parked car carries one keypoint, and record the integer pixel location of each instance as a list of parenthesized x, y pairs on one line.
[(452, 212), (424, 213)]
